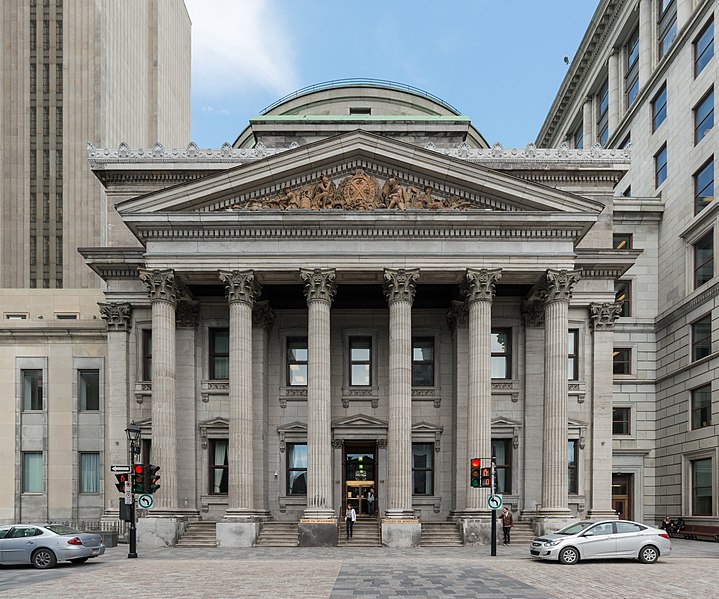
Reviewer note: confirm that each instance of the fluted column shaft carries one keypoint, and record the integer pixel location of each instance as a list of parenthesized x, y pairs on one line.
[(320, 289), (588, 122), (400, 288), (163, 297), (241, 290), (480, 291), (646, 43), (556, 390), (614, 91)]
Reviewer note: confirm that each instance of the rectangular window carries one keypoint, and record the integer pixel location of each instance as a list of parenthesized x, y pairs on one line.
[(88, 390), (32, 391), (297, 468), (423, 468), (622, 360), (704, 117), (501, 353), (631, 80), (297, 361), (703, 48), (702, 500), (622, 241), (579, 137), (704, 186), (702, 338), (621, 421), (573, 355), (573, 466), (660, 166), (502, 450), (219, 354), (704, 260), (623, 295), (423, 361), (659, 108), (89, 472), (146, 354), (361, 361), (219, 472), (666, 25), (32, 472), (603, 121), (701, 407)]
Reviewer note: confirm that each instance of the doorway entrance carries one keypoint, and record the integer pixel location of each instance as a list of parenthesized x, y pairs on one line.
[(622, 495), (360, 468)]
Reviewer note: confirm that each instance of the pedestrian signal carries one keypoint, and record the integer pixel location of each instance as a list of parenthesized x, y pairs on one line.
[(121, 480), (486, 477)]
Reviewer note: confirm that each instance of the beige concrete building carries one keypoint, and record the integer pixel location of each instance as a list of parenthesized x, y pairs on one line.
[(644, 76)]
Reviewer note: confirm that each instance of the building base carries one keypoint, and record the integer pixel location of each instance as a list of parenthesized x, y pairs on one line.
[(159, 531), (317, 533), (237, 534), (544, 525), (478, 531), (401, 533)]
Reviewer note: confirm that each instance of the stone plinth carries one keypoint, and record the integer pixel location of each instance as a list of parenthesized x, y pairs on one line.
[(401, 533), (237, 534), (317, 533), (477, 531), (159, 532)]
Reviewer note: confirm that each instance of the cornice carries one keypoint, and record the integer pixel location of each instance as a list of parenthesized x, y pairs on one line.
[(681, 311)]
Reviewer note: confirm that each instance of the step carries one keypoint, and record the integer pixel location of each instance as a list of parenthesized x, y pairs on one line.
[(277, 534), (199, 534)]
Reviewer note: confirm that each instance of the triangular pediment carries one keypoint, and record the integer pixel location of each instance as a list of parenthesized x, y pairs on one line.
[(501, 421), (359, 421), (359, 171), (426, 427), (215, 423), (293, 427)]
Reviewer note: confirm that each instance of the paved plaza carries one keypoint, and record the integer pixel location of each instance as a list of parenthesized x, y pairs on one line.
[(691, 571)]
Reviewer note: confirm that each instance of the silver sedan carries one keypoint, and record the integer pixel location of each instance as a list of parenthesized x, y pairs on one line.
[(602, 540), (43, 545)]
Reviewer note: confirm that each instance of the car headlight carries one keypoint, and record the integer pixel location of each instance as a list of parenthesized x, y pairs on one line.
[(551, 543)]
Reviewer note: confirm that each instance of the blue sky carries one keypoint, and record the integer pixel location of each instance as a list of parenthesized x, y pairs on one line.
[(500, 62)]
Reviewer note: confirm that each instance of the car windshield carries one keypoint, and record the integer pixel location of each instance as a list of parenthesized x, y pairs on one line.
[(576, 528), (61, 529)]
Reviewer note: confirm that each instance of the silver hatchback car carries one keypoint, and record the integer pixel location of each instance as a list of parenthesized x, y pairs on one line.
[(602, 540), (43, 545)]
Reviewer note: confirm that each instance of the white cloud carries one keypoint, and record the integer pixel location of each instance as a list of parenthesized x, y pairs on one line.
[(240, 44)]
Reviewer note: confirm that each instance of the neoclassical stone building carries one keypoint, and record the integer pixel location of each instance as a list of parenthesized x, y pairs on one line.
[(360, 293)]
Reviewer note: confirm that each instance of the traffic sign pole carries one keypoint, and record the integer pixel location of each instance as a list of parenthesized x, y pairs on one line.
[(494, 511)]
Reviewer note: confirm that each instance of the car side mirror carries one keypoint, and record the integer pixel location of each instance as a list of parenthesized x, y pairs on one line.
[(589, 533)]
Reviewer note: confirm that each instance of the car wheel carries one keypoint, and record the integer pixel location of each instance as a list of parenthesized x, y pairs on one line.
[(569, 556), (44, 558), (79, 560), (649, 554)]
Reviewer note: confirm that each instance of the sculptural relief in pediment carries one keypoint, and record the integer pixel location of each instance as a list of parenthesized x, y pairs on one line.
[(359, 191)]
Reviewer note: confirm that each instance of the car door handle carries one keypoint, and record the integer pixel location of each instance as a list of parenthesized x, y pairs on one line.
[(29, 542)]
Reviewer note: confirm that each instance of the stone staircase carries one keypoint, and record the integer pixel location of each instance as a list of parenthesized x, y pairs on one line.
[(366, 533), (199, 534), (522, 533), (440, 534), (278, 534)]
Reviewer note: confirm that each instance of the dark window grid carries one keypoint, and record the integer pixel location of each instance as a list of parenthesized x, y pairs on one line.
[(666, 26), (297, 361), (702, 500), (660, 166), (361, 361), (502, 449), (146, 354), (573, 466), (704, 117), (621, 421), (32, 380), (423, 361), (219, 469), (219, 366), (622, 360), (573, 355), (422, 468), (633, 49), (623, 295), (89, 389), (701, 338), (603, 121), (501, 354), (704, 187), (579, 137), (704, 48), (659, 108), (701, 407), (704, 259), (297, 469), (622, 241)]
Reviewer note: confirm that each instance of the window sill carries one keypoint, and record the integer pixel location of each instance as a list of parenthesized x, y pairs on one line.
[(298, 393), (353, 394)]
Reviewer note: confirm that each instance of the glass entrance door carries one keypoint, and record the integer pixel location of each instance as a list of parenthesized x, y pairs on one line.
[(622, 495), (360, 475)]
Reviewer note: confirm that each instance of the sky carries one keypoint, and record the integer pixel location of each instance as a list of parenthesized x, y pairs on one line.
[(499, 62)]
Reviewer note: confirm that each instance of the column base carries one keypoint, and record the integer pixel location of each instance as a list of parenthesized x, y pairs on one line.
[(319, 514), (317, 532), (399, 514), (401, 533), (240, 515), (237, 533), (602, 514)]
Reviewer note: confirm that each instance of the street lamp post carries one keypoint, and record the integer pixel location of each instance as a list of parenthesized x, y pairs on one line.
[(133, 436)]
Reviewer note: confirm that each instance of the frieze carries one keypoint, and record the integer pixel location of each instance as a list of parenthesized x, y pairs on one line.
[(117, 316), (433, 394), (510, 388), (213, 388), (351, 394), (291, 394)]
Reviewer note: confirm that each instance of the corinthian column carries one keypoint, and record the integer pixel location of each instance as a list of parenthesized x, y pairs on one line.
[(320, 289), (400, 287), (614, 90), (241, 291), (556, 389), (603, 317), (162, 289), (480, 292)]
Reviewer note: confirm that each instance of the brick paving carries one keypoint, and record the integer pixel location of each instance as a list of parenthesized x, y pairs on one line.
[(279, 573)]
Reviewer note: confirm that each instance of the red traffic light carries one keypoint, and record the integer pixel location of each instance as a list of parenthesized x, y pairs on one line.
[(476, 463), (474, 468), (138, 469)]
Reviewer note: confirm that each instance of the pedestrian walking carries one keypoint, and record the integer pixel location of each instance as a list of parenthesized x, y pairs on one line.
[(370, 502), (350, 518), (507, 523)]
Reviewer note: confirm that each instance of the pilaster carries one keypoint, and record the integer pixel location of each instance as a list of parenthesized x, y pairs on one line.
[(646, 42), (614, 90)]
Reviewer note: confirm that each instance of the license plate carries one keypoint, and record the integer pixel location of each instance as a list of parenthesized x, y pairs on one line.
[(95, 551)]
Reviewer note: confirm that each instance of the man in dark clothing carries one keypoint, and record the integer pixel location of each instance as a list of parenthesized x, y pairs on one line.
[(507, 523)]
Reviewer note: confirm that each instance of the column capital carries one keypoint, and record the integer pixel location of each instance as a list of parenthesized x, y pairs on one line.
[(263, 316), (320, 284), (458, 315), (160, 283), (117, 315), (604, 315), (533, 314), (559, 285), (400, 284), (240, 286), (479, 284)]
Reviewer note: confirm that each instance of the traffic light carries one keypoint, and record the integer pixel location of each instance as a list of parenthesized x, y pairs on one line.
[(485, 477), (139, 478), (121, 480), (475, 466), (152, 478)]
